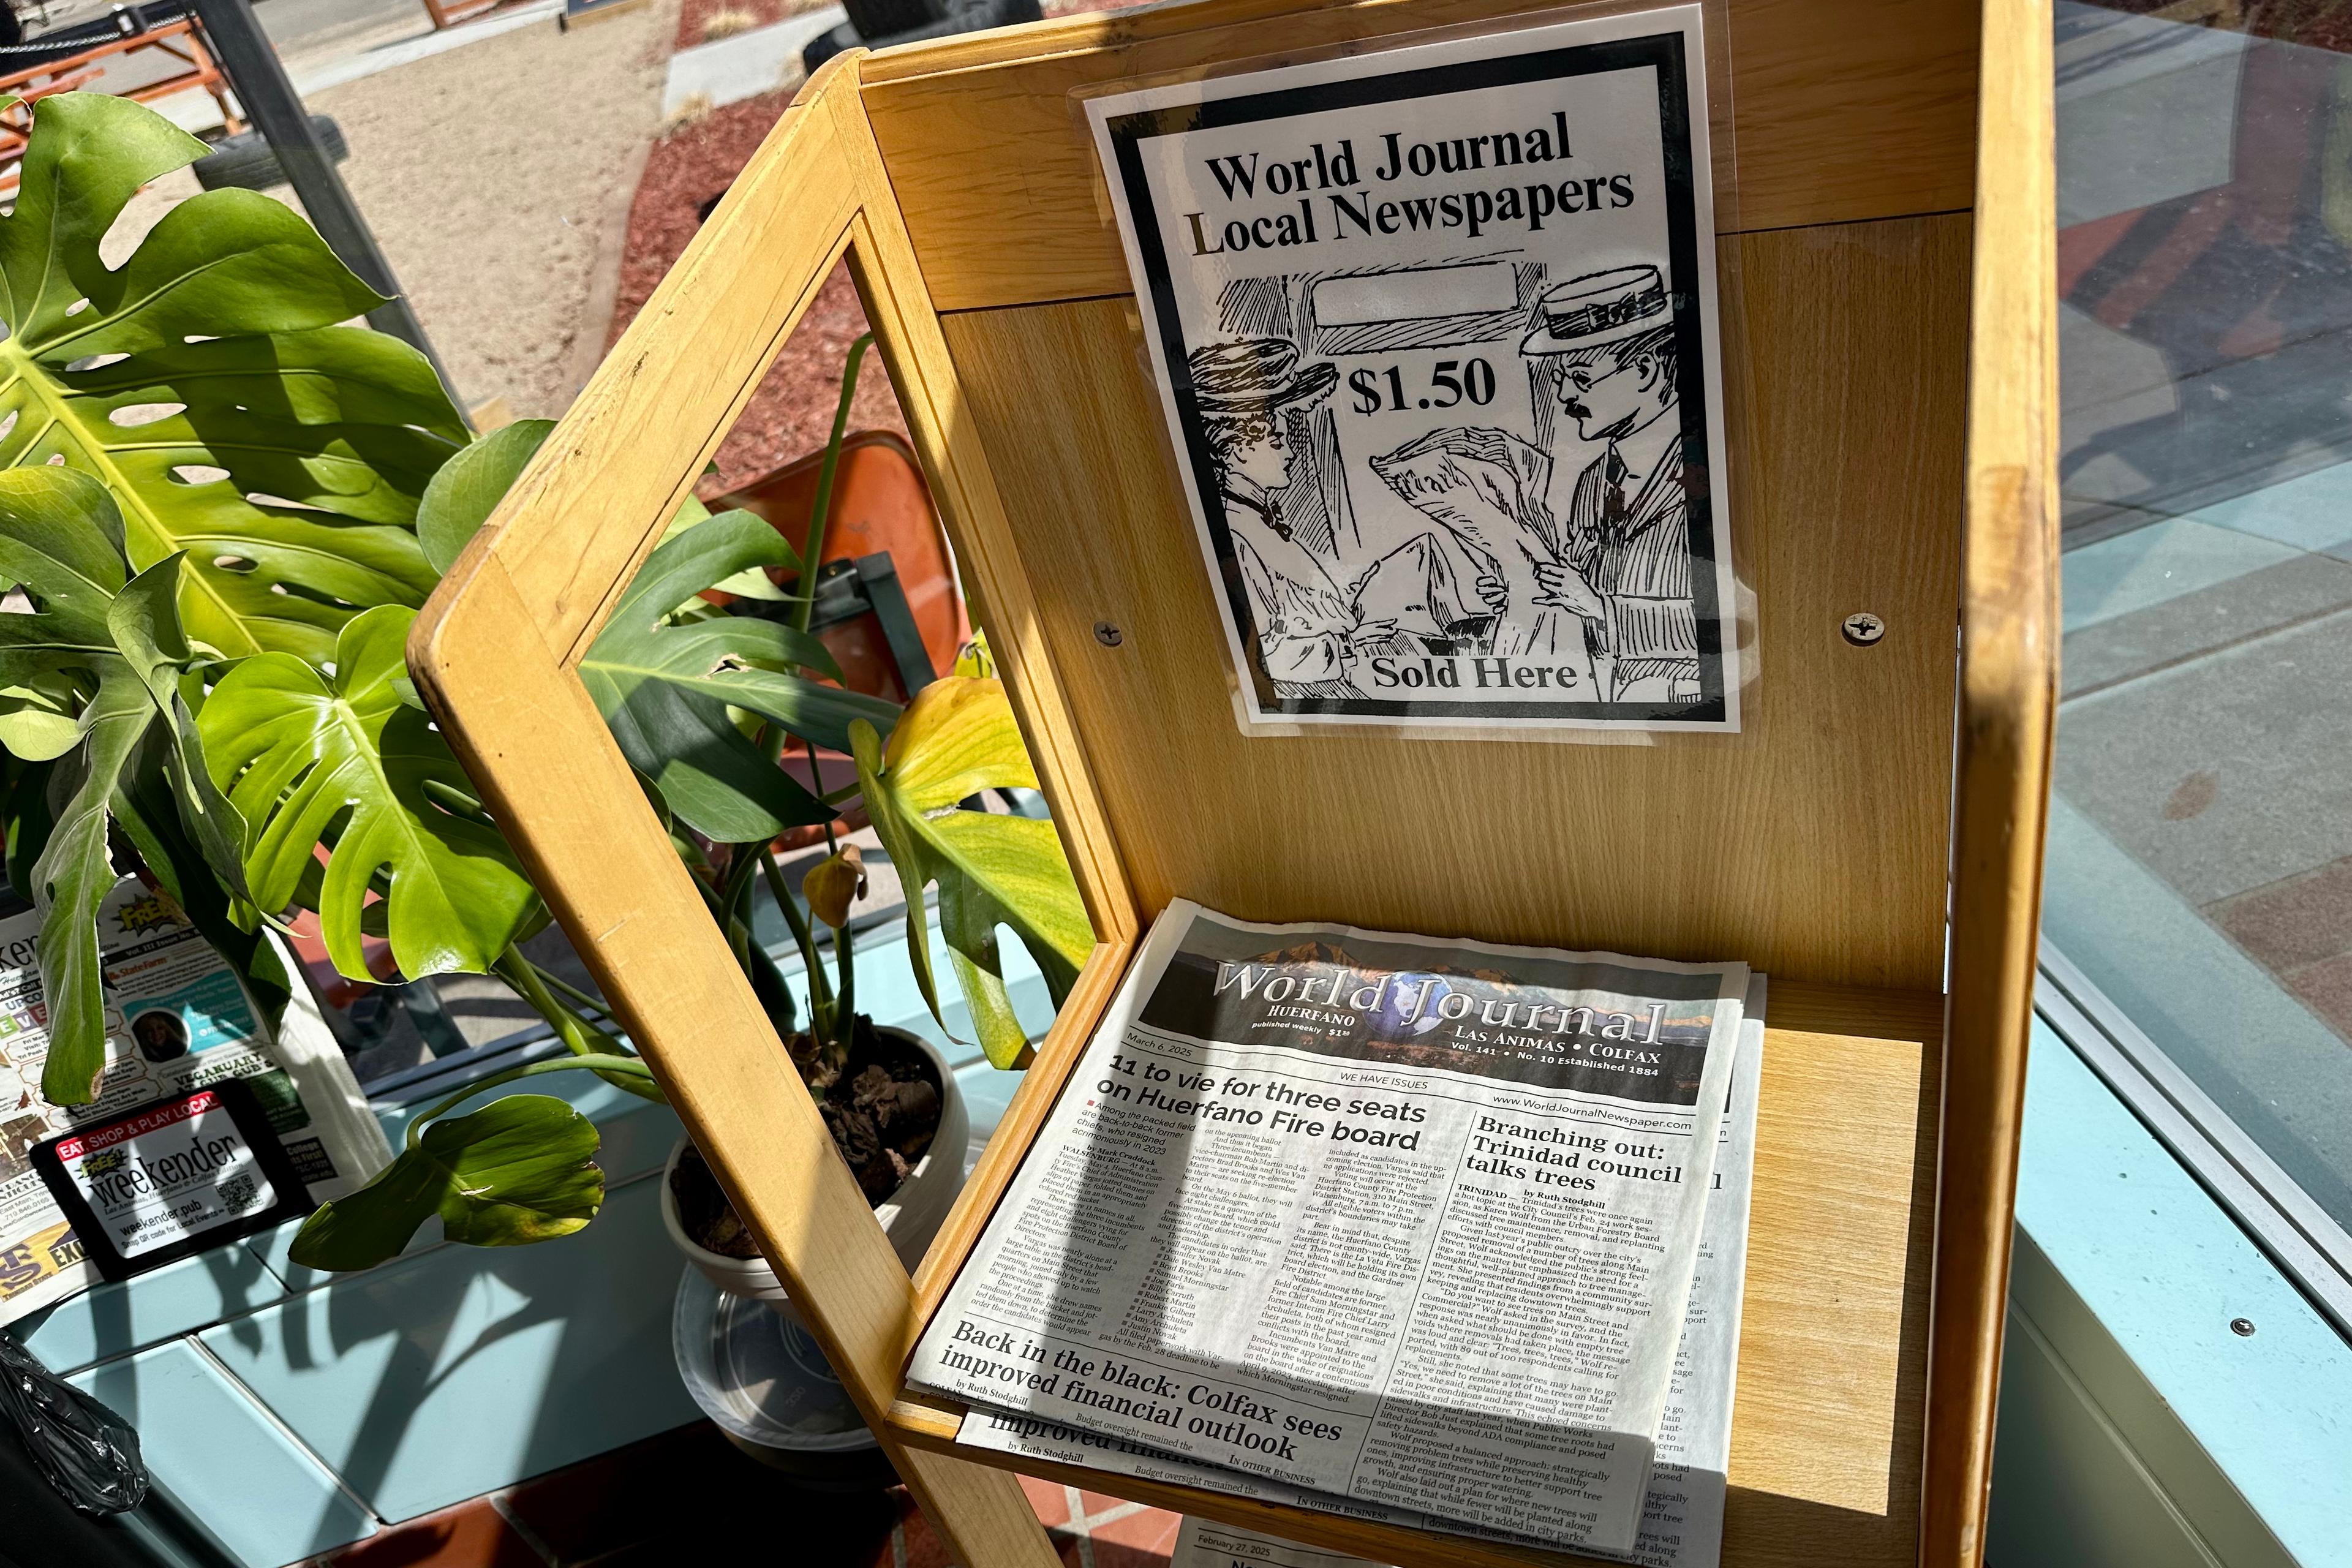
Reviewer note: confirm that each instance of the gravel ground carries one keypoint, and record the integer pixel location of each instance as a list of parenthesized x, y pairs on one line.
[(497, 178), (492, 175)]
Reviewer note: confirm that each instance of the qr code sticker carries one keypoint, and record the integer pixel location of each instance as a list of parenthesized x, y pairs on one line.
[(236, 1193)]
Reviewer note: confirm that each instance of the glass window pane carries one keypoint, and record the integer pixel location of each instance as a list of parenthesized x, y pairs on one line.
[(2200, 850)]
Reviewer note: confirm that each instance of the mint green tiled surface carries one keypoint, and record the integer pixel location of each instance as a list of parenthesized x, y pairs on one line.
[(115, 1320), (440, 1376), (452, 1371), (219, 1454)]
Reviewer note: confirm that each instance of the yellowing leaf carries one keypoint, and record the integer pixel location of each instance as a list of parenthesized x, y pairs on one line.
[(993, 870), (834, 884)]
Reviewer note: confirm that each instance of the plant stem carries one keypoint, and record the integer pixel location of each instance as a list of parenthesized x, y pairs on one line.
[(734, 913), (820, 993), (580, 1038), (580, 999), (844, 1011), (816, 782), (814, 555), (604, 1066)]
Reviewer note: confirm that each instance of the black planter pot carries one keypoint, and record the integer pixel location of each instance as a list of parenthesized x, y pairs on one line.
[(879, 23), (883, 18)]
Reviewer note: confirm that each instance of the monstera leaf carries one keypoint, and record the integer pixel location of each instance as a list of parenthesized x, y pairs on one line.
[(957, 738), (665, 670), (309, 759), (71, 880), (207, 382), (112, 652), (60, 543), (665, 680), (469, 488), (515, 1171), (37, 718)]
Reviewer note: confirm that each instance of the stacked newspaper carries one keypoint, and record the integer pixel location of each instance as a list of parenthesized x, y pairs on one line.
[(1439, 1233)]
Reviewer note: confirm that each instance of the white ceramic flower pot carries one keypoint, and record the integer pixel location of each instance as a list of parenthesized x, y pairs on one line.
[(910, 1218)]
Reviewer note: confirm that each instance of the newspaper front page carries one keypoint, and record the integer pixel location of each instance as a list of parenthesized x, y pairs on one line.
[(1408, 1221), (1681, 1518), (177, 1021)]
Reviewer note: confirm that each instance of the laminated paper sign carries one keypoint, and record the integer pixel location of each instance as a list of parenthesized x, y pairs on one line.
[(171, 1178), (1435, 334)]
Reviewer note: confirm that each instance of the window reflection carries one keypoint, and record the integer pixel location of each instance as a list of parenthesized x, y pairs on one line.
[(2201, 865)]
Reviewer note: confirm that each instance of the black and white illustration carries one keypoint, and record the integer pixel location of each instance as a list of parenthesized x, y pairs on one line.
[(1436, 331)]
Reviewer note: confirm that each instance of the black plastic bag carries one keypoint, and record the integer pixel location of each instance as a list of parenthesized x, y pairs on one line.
[(87, 1452)]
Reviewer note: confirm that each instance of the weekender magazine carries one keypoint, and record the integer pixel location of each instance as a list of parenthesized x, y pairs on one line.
[(1395, 1219)]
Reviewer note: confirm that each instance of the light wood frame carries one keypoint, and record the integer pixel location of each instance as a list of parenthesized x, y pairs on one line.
[(1890, 360)]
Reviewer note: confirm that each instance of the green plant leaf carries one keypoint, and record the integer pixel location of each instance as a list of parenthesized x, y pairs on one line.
[(461, 496), (144, 623), (71, 880), (469, 488), (664, 686), (149, 809), (751, 583), (308, 759), (60, 543), (956, 739), (27, 812), (515, 1171), (37, 718), (283, 452)]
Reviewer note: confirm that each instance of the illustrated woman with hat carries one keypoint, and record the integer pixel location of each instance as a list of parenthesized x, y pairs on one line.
[(1244, 391), (1609, 339)]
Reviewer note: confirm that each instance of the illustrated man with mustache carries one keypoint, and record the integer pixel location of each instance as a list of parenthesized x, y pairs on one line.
[(1608, 340)]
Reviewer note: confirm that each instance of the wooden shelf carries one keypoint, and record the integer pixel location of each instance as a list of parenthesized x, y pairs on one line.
[(1885, 244)]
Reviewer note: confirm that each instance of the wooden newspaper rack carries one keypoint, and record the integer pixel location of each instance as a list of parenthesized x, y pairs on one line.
[(1890, 371)]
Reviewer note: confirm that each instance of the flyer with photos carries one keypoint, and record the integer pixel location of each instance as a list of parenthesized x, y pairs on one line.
[(1436, 336)]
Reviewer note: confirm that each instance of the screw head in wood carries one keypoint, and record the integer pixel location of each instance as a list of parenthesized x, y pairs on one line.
[(1108, 634), (1862, 629), (2243, 1326)]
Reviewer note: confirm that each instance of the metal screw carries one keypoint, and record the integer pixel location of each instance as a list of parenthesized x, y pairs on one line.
[(2243, 1326), (1862, 628), (1108, 634)]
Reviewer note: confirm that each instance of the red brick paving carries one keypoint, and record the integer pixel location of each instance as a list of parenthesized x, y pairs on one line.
[(2294, 921), (2300, 929)]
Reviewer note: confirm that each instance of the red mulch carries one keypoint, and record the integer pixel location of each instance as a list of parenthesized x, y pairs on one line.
[(792, 412)]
